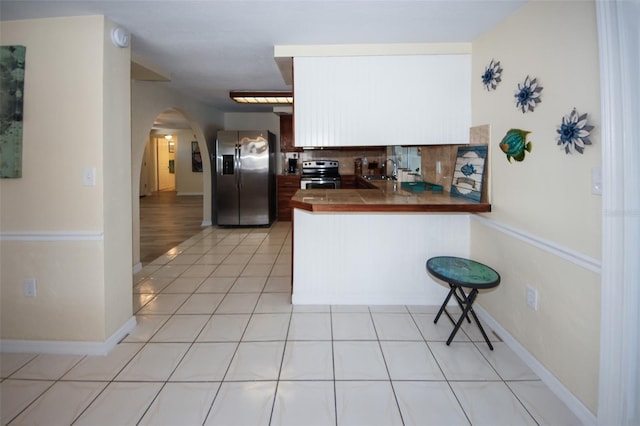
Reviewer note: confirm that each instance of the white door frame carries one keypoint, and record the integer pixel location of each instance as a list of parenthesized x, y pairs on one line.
[(619, 45)]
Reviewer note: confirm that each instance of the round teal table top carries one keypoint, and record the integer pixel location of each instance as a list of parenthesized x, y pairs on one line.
[(463, 272)]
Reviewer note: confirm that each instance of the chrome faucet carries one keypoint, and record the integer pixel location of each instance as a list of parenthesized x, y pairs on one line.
[(394, 172)]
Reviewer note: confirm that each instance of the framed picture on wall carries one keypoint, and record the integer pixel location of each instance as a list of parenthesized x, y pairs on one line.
[(468, 173), (172, 146), (196, 157), (11, 110)]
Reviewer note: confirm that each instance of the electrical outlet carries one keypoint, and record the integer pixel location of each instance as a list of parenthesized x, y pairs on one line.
[(29, 287), (532, 298)]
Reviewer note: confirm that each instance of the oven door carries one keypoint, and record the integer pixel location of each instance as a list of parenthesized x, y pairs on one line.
[(319, 184)]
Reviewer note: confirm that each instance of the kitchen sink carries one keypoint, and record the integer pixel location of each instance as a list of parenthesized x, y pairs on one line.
[(377, 177)]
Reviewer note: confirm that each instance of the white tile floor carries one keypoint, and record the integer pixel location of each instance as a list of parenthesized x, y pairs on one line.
[(218, 343)]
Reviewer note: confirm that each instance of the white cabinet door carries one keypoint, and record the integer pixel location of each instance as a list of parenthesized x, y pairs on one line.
[(382, 100)]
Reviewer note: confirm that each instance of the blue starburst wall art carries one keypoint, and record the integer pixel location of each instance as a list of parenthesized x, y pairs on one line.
[(514, 144), (573, 133), (528, 95), (492, 75)]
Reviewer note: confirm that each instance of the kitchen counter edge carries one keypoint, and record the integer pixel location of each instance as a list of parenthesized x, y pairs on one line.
[(385, 197)]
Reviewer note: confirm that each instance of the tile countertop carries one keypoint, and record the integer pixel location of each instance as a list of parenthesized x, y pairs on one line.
[(387, 197)]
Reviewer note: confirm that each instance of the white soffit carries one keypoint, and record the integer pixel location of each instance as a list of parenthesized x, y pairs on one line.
[(284, 54)]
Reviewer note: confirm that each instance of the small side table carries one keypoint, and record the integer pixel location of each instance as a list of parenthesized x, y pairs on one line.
[(462, 273)]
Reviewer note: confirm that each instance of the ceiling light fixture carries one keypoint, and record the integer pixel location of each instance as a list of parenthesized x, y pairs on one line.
[(264, 98), (168, 137)]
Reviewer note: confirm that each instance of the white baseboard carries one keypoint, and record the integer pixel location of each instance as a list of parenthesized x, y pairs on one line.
[(137, 268), (68, 348), (206, 223), (574, 404)]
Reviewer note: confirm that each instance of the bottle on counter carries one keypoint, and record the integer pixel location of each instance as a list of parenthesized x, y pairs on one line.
[(357, 166)]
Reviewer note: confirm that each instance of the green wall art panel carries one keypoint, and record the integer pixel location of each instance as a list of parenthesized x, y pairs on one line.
[(11, 107)]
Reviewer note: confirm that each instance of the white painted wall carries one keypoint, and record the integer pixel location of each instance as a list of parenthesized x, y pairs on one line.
[(545, 227)]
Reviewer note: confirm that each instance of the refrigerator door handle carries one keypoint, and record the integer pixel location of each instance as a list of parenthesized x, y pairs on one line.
[(239, 148), (237, 161)]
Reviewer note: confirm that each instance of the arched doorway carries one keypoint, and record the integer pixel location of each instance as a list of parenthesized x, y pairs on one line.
[(171, 185)]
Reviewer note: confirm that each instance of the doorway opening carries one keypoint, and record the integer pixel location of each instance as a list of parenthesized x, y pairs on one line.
[(171, 186), (165, 162)]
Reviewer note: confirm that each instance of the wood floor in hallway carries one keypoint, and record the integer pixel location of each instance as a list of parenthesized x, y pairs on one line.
[(166, 220)]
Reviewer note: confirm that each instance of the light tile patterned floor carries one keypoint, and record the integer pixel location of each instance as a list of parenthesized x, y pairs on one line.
[(218, 343)]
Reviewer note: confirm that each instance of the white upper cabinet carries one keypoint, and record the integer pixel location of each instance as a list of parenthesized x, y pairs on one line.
[(382, 100)]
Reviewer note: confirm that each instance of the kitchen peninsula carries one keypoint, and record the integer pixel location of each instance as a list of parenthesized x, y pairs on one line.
[(369, 246)]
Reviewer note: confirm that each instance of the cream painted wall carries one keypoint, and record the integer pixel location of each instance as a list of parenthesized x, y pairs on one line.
[(546, 199), (147, 170), (53, 228), (166, 179), (63, 90), (116, 146), (188, 182), (148, 100), (252, 121), (549, 193)]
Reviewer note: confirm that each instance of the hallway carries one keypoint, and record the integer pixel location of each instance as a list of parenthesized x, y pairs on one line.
[(166, 220)]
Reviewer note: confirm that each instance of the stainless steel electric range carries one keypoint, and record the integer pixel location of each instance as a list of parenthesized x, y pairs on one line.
[(320, 174)]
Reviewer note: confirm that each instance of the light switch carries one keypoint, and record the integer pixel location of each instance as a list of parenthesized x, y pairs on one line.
[(596, 181), (89, 176), (29, 287)]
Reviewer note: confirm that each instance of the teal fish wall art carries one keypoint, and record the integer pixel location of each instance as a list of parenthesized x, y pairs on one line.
[(514, 144)]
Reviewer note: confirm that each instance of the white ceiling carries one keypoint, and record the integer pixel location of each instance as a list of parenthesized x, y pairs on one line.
[(211, 47)]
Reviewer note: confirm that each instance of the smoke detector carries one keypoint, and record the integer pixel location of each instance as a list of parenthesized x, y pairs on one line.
[(120, 37)]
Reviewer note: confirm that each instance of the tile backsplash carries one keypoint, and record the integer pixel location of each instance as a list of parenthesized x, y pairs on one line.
[(435, 162), (346, 158), (446, 156)]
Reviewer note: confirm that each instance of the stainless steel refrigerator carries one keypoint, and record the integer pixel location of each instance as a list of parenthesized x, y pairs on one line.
[(245, 178)]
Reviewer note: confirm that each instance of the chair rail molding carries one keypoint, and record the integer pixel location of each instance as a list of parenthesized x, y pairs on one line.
[(52, 236), (563, 252)]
